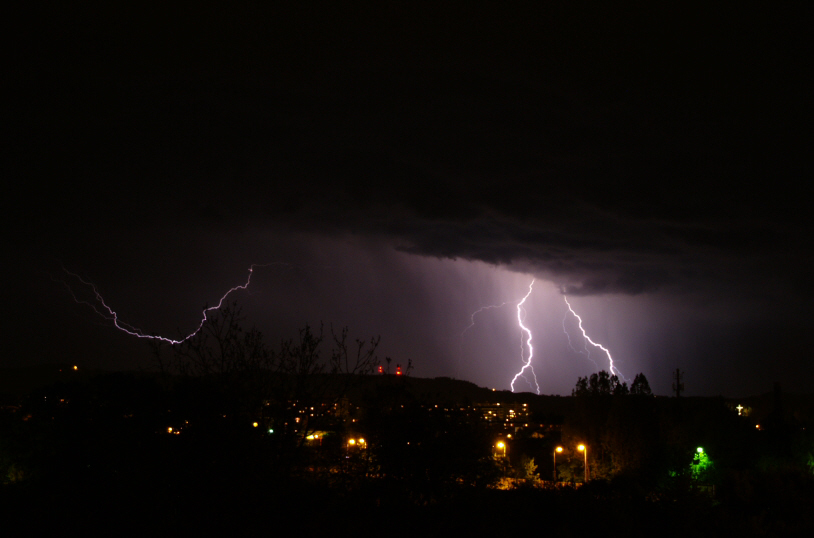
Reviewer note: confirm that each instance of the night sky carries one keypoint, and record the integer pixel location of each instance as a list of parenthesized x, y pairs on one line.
[(403, 166)]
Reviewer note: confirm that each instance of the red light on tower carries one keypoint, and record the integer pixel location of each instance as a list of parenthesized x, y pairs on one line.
[(381, 370), (398, 370)]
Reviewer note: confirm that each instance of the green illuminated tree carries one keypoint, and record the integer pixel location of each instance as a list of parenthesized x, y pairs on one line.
[(528, 469), (701, 466)]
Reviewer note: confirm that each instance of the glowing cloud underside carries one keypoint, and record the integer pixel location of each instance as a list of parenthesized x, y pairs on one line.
[(521, 314), (102, 309), (613, 369)]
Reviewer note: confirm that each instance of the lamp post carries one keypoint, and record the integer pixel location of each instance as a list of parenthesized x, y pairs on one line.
[(556, 451), (584, 450), (502, 445)]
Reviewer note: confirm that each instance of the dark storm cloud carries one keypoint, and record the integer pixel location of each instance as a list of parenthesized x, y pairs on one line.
[(610, 150)]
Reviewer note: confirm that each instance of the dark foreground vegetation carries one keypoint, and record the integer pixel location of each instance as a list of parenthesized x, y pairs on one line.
[(234, 438)]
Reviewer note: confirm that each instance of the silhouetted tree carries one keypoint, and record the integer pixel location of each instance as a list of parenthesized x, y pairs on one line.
[(618, 388), (617, 433), (586, 424), (640, 386), (239, 380), (600, 384), (581, 388), (631, 435)]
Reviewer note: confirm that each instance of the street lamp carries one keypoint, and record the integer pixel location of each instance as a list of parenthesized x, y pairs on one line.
[(557, 450), (584, 450), (502, 445)]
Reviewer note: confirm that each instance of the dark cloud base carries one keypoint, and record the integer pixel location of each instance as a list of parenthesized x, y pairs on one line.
[(655, 152)]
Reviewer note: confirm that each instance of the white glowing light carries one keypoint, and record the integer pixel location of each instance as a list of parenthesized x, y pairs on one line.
[(106, 312), (526, 362), (613, 369), (584, 352)]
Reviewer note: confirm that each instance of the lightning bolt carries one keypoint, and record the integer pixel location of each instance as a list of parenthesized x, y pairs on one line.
[(521, 313), (101, 308), (585, 352), (472, 324), (476, 312), (613, 369)]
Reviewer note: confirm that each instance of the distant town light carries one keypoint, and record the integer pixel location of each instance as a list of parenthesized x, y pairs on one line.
[(76, 367)]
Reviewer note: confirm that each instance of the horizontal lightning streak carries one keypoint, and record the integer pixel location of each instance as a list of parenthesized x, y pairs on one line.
[(472, 324), (478, 311), (105, 311)]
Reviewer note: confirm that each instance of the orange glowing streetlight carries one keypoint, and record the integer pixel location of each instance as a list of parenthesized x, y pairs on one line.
[(557, 450), (584, 450), (502, 446)]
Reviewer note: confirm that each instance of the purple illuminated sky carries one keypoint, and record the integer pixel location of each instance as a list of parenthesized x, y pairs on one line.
[(407, 166)]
